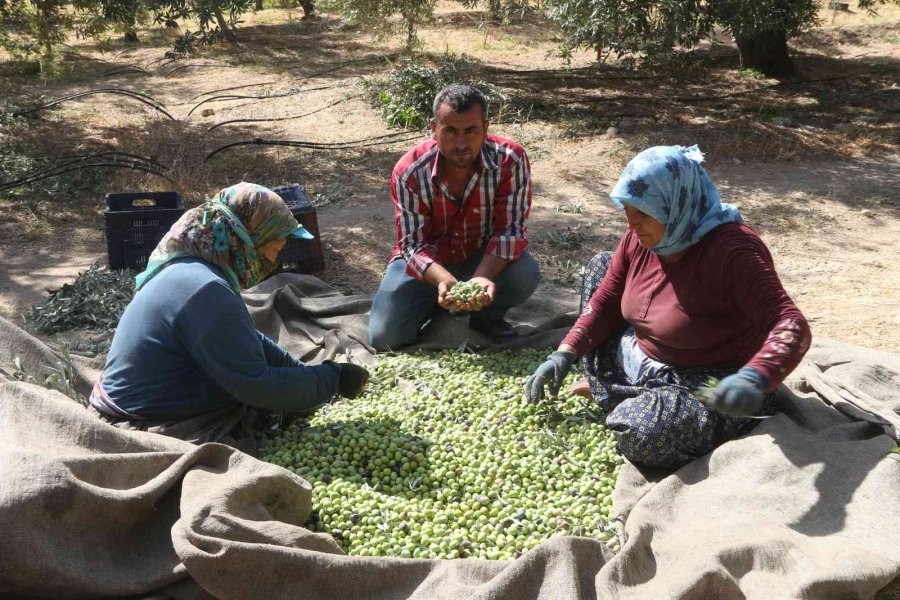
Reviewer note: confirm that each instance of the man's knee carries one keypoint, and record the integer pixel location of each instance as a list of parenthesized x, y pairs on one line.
[(521, 278), (398, 312), (387, 337), (389, 330)]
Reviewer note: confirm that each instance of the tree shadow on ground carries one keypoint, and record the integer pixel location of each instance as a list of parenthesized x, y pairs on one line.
[(523, 27), (300, 47), (835, 108), (76, 201)]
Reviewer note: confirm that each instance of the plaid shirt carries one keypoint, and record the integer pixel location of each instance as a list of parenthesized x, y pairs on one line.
[(434, 226)]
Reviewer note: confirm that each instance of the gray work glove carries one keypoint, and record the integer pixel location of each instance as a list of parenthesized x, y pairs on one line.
[(739, 395), (353, 379), (550, 373)]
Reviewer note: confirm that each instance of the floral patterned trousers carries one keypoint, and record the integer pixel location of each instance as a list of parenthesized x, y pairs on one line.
[(657, 421)]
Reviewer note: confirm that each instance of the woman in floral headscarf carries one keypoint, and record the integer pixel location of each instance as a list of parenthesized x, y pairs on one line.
[(690, 294), (186, 359)]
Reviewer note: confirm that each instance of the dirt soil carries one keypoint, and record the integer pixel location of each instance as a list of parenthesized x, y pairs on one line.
[(813, 163)]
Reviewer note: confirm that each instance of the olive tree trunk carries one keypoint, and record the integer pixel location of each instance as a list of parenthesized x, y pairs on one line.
[(765, 51), (495, 11), (227, 32), (309, 9)]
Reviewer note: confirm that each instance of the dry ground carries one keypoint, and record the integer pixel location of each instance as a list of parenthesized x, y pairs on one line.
[(812, 162)]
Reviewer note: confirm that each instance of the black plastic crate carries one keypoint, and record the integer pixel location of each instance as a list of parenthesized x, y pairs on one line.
[(301, 256), (135, 223)]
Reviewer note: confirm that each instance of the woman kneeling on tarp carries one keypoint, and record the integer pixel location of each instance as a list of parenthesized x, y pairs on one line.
[(690, 293), (186, 359)]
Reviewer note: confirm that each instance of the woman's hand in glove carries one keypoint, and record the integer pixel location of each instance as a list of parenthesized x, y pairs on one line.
[(353, 379), (550, 373), (739, 395)]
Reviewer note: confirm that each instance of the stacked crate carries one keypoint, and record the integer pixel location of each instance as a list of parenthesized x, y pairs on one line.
[(135, 223), (301, 256)]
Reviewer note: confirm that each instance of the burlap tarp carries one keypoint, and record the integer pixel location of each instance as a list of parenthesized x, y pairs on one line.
[(802, 507)]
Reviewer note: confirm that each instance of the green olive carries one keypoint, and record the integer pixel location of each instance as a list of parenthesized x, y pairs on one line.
[(459, 465)]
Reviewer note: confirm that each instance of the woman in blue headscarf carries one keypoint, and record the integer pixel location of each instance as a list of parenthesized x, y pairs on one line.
[(186, 359), (689, 294)]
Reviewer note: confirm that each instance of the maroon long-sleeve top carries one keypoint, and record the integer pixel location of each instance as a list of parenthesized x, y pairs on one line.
[(720, 305)]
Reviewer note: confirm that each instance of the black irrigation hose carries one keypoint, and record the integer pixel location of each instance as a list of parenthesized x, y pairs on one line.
[(312, 112), (132, 93), (139, 96), (80, 56), (310, 76), (178, 68), (70, 167), (163, 65), (168, 60), (114, 154), (80, 158), (123, 70), (237, 87), (259, 97), (390, 138), (132, 166), (121, 53)]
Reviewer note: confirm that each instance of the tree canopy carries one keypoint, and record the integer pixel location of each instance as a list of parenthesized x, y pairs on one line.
[(32, 28), (654, 28)]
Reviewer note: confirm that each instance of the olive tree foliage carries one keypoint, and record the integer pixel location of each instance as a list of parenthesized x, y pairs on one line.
[(628, 27), (217, 19), (376, 15), (407, 94), (656, 28), (32, 29), (498, 11)]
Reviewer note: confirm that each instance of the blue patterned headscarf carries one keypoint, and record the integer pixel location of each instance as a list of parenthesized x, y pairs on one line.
[(669, 184)]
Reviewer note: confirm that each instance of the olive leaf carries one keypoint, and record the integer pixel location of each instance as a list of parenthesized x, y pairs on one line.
[(93, 302)]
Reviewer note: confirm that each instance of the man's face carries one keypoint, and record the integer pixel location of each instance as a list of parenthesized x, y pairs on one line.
[(459, 135)]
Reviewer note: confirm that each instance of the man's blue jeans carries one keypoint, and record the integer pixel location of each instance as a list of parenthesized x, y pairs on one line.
[(403, 304)]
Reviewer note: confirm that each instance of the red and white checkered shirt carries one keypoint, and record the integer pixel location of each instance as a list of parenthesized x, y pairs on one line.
[(434, 226)]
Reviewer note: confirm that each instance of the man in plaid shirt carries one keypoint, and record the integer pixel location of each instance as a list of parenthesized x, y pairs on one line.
[(461, 201)]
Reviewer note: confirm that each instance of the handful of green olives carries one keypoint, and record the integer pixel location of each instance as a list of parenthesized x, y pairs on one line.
[(467, 292)]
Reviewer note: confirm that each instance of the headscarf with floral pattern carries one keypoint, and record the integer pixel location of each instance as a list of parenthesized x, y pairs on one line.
[(227, 231), (670, 184)]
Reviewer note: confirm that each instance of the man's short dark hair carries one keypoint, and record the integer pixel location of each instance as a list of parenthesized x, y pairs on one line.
[(461, 97)]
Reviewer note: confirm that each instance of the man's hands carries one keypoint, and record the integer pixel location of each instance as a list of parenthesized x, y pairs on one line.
[(451, 302), (438, 275), (489, 287)]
